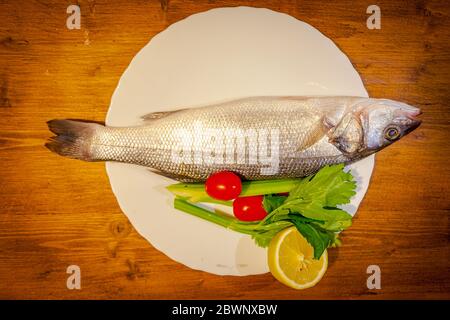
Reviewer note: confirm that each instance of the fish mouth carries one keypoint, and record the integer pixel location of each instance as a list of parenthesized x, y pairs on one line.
[(414, 114), (414, 125), (415, 122)]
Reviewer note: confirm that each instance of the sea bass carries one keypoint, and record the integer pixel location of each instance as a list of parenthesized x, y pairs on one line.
[(257, 138)]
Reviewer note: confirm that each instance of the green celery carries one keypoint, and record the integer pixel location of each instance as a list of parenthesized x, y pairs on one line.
[(227, 221), (195, 192)]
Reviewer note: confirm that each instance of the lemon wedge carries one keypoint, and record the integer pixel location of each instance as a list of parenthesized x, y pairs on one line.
[(291, 261)]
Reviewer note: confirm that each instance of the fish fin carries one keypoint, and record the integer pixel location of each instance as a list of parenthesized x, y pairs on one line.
[(178, 177), (72, 138), (158, 115), (315, 135), (348, 135), (328, 123)]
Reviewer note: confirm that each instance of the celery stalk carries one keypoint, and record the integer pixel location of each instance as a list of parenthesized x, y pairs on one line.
[(195, 192), (224, 220), (220, 219)]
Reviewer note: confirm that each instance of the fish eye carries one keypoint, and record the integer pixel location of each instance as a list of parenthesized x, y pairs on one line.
[(392, 133)]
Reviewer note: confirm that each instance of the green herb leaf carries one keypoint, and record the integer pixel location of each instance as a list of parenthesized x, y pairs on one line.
[(271, 202), (331, 218), (313, 202), (330, 186), (263, 239), (318, 238)]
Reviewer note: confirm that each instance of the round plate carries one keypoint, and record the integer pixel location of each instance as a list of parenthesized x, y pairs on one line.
[(219, 55)]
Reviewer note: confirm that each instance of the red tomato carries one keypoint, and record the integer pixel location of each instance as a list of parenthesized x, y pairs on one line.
[(224, 185), (249, 208)]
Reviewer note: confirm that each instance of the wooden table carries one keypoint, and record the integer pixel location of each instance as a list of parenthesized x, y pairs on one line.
[(55, 212)]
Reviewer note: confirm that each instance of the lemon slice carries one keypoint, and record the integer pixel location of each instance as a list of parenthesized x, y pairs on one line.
[(291, 261)]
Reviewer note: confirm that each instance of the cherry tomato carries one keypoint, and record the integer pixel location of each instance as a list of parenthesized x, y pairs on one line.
[(224, 185), (249, 208)]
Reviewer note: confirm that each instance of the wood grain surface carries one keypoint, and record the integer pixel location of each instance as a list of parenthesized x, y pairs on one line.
[(55, 212)]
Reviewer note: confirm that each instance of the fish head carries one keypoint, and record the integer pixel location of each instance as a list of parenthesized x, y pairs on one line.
[(372, 125)]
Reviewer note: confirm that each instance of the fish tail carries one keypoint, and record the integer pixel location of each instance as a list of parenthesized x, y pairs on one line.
[(73, 138)]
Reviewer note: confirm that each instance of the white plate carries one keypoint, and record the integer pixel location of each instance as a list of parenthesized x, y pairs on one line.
[(208, 57)]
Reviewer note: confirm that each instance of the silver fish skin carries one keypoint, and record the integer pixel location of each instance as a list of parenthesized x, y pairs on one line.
[(258, 138)]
